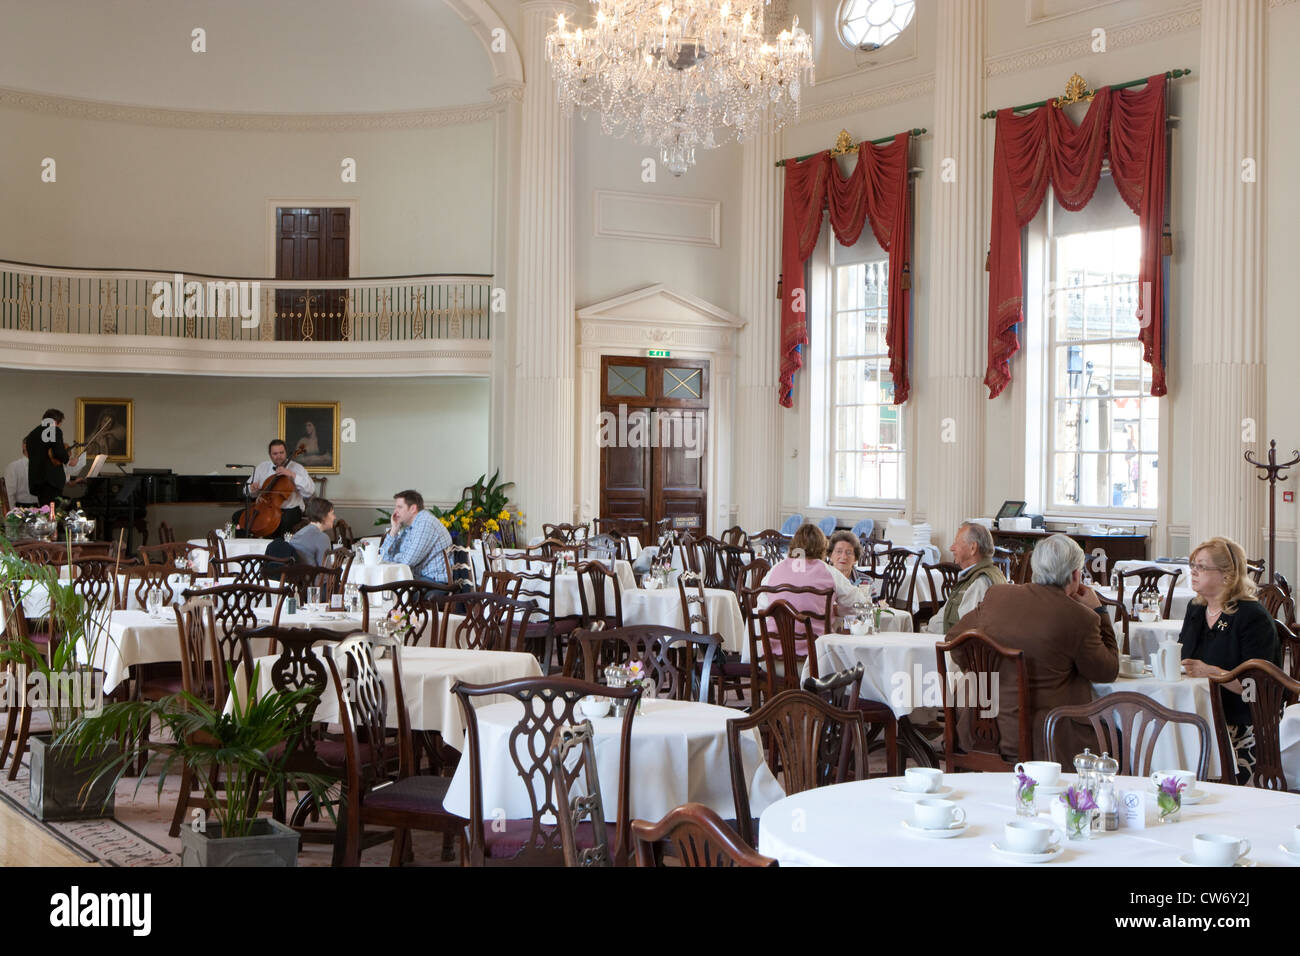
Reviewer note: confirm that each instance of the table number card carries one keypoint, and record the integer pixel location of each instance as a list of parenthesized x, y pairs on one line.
[(1134, 807)]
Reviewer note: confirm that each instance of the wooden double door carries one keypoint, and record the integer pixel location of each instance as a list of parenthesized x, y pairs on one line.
[(311, 244), (653, 431)]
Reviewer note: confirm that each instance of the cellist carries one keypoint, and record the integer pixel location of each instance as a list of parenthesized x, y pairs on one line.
[(279, 464)]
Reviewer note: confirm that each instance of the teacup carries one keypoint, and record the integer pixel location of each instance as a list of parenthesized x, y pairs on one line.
[(1131, 666), (595, 706), (1186, 777), (922, 779), (1045, 772), (1031, 836), (934, 814), (860, 628), (1218, 849)]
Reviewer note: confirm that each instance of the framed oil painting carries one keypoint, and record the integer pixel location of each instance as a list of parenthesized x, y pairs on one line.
[(106, 426), (315, 426)]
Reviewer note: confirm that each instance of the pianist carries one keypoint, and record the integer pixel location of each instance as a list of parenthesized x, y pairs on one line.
[(279, 464)]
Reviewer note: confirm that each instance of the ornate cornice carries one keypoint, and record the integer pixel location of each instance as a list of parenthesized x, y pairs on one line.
[(508, 92), (73, 108), (869, 99), (1133, 33)]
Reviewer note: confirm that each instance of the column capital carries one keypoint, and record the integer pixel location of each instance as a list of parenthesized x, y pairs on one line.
[(507, 92)]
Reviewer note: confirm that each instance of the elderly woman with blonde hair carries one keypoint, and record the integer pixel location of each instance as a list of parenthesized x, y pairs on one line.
[(1224, 626)]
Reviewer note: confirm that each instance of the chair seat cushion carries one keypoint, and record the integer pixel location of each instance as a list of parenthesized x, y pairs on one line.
[(874, 712), (418, 794), (501, 843)]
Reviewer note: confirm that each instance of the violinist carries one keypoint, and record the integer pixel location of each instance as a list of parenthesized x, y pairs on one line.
[(279, 464), (46, 457)]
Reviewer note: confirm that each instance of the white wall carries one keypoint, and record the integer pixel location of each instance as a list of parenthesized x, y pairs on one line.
[(151, 197), (428, 434)]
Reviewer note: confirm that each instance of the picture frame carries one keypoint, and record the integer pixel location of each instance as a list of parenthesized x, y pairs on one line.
[(107, 426), (317, 425)]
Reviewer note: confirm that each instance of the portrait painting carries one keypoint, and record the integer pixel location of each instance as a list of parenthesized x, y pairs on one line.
[(311, 429), (106, 426)]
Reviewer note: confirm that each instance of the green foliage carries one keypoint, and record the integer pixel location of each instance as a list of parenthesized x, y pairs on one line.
[(228, 750)]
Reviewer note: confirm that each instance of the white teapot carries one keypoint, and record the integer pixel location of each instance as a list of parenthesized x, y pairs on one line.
[(1167, 662)]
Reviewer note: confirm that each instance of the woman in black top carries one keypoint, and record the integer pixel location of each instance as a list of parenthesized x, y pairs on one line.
[(1225, 626)]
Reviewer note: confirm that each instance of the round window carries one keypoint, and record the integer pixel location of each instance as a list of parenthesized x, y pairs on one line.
[(872, 24)]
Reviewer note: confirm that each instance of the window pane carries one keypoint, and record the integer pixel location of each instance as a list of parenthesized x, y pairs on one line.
[(1068, 303), (1067, 425), (1096, 307), (626, 380), (1094, 481), (1149, 478), (1127, 373), (1126, 304), (849, 291)]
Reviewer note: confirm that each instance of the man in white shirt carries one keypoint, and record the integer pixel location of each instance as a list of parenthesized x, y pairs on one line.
[(972, 547), (20, 494), (279, 464)]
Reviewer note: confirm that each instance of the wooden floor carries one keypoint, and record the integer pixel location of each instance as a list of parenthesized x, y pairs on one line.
[(23, 842)]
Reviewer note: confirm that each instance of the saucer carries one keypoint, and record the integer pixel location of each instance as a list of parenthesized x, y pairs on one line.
[(937, 833), (1187, 860), (1043, 857), (1051, 790), (1289, 851), (942, 793)]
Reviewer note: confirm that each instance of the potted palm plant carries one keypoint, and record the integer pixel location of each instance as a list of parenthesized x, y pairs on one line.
[(233, 755), (60, 678)]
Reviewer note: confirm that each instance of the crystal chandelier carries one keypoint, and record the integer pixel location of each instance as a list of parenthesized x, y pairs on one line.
[(680, 74)]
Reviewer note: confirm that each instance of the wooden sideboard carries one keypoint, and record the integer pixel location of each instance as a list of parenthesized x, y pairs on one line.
[(1115, 547)]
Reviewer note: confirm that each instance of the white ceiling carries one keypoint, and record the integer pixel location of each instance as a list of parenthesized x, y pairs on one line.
[(263, 56)]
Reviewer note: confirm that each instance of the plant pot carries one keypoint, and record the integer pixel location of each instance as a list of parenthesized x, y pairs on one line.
[(270, 844), (58, 785)]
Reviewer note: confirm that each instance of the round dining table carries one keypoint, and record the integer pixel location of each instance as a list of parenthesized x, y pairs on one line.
[(862, 824), (679, 755)]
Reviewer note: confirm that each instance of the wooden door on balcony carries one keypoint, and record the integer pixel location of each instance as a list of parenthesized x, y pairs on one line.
[(311, 244), (653, 454)]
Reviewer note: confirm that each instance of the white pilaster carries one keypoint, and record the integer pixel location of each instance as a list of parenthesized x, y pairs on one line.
[(757, 445), (508, 96), (544, 337), (1227, 300), (951, 443)]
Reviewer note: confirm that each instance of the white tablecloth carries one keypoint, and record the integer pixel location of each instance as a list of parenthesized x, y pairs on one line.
[(235, 548), (1144, 637), (899, 622), (1178, 746), (894, 667), (679, 755), (1289, 740), (664, 606), (136, 638), (428, 674), (860, 824), (382, 573), (1184, 577), (36, 600)]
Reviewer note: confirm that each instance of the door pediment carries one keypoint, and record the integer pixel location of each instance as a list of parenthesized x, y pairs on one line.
[(660, 316)]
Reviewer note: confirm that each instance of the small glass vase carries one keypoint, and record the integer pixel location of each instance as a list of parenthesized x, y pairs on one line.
[(1078, 824), (1170, 806), (1025, 802)]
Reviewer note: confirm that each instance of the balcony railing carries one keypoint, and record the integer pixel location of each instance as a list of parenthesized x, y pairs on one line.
[(127, 302)]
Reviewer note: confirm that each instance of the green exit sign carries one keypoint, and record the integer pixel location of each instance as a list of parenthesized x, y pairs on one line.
[(658, 353)]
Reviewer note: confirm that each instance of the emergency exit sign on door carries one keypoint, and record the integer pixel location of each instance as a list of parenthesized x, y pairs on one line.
[(658, 353)]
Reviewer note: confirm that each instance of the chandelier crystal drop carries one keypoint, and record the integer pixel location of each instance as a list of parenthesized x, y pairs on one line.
[(680, 75)]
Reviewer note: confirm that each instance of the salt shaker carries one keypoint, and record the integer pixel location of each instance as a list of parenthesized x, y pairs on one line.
[(1107, 798)]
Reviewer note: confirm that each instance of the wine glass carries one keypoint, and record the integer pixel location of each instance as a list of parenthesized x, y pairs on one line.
[(154, 601)]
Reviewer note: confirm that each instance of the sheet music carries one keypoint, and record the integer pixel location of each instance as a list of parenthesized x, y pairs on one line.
[(96, 466)]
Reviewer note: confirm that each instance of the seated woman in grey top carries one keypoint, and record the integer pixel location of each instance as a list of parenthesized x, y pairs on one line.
[(312, 543)]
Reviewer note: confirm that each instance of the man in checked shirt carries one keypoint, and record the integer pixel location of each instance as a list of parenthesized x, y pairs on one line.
[(416, 538)]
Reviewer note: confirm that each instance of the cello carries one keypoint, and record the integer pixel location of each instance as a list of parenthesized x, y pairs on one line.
[(262, 518)]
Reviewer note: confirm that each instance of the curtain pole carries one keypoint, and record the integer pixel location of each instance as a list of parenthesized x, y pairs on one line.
[(873, 142), (1172, 74)]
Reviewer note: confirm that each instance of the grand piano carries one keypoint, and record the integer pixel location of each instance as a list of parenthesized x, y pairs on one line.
[(122, 501)]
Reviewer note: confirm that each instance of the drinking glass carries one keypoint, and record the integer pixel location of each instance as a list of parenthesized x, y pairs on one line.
[(313, 597), (154, 601)]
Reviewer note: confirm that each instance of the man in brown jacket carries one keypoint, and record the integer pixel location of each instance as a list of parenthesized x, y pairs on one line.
[(1068, 642)]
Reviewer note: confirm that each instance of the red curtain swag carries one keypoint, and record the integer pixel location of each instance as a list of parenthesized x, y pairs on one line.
[(1044, 146), (877, 191)]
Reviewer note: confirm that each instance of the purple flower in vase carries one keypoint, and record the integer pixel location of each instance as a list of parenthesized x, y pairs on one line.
[(1079, 799), (1171, 786), (1025, 784)]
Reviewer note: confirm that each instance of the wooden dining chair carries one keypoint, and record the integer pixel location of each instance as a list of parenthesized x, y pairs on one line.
[(546, 704), (668, 655), (841, 690), (1122, 617), (584, 837), (299, 577), (485, 622), (342, 534), (216, 546), (21, 644), (234, 608), (1271, 693), (1255, 570), (697, 837), (196, 633), (942, 578), (800, 746), (380, 786), (1127, 726), (566, 533), (259, 569), (600, 594), (983, 663), (417, 599), (166, 553), (95, 581), (899, 578), (1146, 583), (340, 559)]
